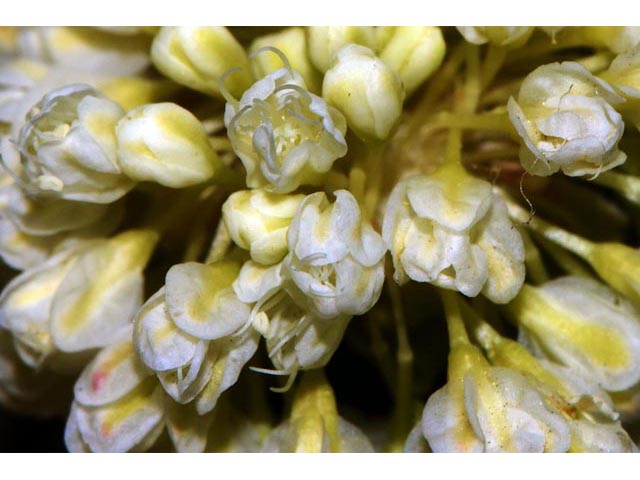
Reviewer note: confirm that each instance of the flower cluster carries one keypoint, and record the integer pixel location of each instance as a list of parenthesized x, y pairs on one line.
[(301, 200)]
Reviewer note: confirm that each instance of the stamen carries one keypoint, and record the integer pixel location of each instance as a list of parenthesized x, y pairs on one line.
[(279, 53), (223, 89)]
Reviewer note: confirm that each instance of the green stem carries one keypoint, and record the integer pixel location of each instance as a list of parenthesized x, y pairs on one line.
[(477, 121), (536, 270), (220, 245), (455, 325), (574, 243), (492, 64), (626, 185), (402, 415)]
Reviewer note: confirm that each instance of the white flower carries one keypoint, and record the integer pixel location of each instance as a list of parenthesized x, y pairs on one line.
[(79, 299), (314, 425), (624, 73), (335, 264), (258, 221), (565, 117), (491, 409), (414, 53), (189, 334), (325, 42), (284, 135), (367, 91), (167, 144), (198, 57), (583, 324), (451, 230), (68, 146), (295, 338), (85, 49), (118, 405)]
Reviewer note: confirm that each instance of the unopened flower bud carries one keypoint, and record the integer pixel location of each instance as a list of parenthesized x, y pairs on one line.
[(79, 299), (414, 53), (292, 42), (118, 405), (314, 425), (198, 57), (336, 259), (490, 409), (451, 230), (616, 39), (49, 216), (586, 326), (567, 122), (68, 146), (165, 143), (284, 135), (617, 264), (498, 36), (366, 90), (258, 221), (325, 42), (86, 49)]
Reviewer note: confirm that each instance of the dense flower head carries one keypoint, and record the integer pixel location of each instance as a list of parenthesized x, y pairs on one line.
[(194, 227)]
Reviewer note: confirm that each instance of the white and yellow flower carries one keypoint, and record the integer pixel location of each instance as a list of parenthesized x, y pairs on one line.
[(284, 135), (567, 121)]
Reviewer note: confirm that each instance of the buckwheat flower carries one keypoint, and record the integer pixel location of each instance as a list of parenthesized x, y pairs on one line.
[(198, 57), (491, 409), (68, 146), (79, 299), (17, 77), (314, 425), (488, 409), (594, 424), (585, 325), (616, 39), (189, 334), (43, 215), (20, 250), (118, 405), (498, 36), (452, 230), (296, 340), (336, 259), (85, 49), (366, 90), (165, 143), (414, 53), (284, 135), (624, 74), (258, 221), (325, 42), (292, 42), (565, 117)]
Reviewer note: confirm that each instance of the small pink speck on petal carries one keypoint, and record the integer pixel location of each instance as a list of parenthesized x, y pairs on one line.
[(97, 380)]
